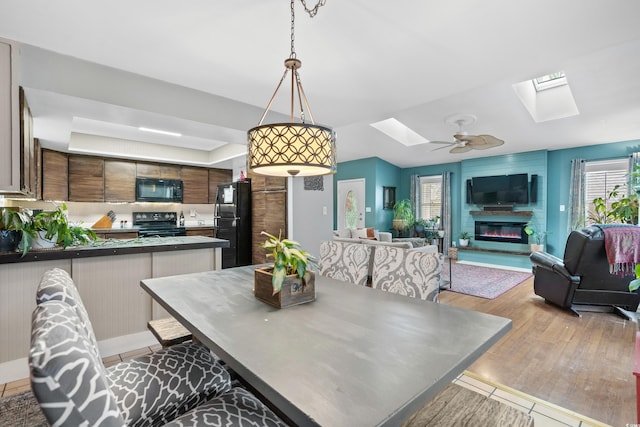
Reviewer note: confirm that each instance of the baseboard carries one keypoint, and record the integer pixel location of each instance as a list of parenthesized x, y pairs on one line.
[(18, 369), (496, 266)]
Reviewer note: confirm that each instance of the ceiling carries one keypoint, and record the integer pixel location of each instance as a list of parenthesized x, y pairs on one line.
[(95, 71)]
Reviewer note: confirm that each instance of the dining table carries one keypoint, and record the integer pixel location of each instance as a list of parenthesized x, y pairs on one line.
[(355, 356)]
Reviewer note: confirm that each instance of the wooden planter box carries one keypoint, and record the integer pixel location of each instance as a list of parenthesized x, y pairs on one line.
[(294, 290)]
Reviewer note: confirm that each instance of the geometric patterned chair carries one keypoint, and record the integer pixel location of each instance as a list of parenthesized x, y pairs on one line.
[(407, 272), (150, 389), (348, 262), (74, 388)]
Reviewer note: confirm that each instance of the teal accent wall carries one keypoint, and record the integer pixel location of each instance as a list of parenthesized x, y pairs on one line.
[(377, 174)]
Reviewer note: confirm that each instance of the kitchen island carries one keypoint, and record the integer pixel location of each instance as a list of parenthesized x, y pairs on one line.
[(107, 274)]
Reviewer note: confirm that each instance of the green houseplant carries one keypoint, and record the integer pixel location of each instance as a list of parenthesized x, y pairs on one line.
[(51, 228), (402, 215), (289, 281), (531, 229), (12, 224), (464, 239)]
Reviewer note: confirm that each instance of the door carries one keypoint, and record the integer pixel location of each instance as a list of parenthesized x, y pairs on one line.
[(351, 203)]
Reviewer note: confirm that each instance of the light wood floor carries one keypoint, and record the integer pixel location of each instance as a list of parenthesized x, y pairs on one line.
[(582, 364)]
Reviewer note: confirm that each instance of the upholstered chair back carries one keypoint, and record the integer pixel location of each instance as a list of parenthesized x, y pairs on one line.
[(407, 272), (348, 262), (57, 285), (67, 377)]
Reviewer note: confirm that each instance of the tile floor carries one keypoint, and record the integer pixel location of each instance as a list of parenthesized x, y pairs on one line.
[(545, 414)]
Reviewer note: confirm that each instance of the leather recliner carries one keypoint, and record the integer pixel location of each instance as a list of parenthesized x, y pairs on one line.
[(582, 278)]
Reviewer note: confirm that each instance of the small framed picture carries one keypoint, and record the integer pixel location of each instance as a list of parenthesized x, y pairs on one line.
[(388, 197)]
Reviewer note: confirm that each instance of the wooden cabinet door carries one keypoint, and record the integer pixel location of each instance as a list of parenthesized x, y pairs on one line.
[(55, 175), (86, 179), (262, 182), (170, 172), (119, 181), (208, 232), (147, 170), (9, 119), (218, 176), (195, 185)]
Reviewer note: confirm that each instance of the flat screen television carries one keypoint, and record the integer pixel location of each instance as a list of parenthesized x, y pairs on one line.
[(500, 189)]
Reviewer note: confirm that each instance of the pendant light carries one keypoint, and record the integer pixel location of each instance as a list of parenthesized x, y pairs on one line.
[(292, 149)]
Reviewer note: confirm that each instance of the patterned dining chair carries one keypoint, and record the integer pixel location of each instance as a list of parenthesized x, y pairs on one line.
[(407, 272), (348, 262)]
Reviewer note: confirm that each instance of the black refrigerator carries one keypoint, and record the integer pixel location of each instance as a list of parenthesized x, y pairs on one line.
[(233, 222)]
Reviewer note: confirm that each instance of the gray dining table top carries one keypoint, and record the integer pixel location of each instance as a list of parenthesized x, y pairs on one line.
[(355, 356)]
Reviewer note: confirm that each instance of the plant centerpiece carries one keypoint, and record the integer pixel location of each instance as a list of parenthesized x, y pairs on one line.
[(289, 281), (537, 235), (402, 215)]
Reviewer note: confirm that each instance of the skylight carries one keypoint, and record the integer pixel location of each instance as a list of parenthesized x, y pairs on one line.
[(549, 80), (399, 132)]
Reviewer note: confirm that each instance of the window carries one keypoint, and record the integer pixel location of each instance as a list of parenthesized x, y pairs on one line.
[(430, 203), (600, 179), (550, 80)]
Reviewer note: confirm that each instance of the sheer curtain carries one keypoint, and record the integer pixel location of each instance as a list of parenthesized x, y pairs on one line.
[(445, 213), (576, 195), (634, 159)]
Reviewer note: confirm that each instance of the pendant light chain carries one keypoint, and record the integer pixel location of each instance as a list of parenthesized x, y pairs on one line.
[(312, 12)]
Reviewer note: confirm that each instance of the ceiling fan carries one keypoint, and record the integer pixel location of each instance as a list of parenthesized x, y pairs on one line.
[(464, 142)]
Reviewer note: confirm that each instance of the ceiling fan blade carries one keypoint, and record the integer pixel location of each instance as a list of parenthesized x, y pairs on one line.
[(444, 146), (463, 149), (442, 142), (483, 142)]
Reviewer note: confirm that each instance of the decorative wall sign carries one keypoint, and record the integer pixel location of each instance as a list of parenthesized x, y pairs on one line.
[(314, 183)]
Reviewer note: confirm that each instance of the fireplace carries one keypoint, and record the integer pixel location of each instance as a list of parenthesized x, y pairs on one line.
[(493, 231)]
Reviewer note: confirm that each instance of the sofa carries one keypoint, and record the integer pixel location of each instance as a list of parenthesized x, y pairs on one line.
[(583, 278)]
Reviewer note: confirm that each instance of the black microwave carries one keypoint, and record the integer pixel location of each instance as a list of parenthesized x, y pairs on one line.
[(158, 190)]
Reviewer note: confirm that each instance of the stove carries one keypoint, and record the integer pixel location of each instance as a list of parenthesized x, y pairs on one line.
[(160, 224)]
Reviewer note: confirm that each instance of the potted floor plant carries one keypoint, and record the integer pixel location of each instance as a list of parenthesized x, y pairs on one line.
[(288, 281), (402, 215)]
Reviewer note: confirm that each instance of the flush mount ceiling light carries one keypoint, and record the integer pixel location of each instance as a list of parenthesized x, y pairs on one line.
[(292, 149)]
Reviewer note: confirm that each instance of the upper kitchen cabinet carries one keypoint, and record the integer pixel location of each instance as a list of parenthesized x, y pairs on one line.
[(218, 176), (156, 170), (17, 167), (55, 175), (195, 185), (119, 181), (86, 179), (267, 183)]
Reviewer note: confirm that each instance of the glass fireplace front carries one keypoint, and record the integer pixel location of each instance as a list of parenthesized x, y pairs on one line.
[(509, 232)]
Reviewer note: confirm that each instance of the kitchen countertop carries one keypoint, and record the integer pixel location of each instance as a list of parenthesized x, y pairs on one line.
[(110, 247)]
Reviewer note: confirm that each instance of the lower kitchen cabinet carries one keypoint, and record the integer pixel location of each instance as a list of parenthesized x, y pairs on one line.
[(208, 232)]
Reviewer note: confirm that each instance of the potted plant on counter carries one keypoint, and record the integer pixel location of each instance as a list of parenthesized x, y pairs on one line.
[(51, 228), (12, 224), (289, 281)]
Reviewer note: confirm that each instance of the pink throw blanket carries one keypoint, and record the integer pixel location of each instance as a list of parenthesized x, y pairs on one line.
[(622, 245)]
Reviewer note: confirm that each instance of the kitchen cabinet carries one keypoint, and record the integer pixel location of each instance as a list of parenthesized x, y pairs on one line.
[(268, 213), (157, 170), (118, 235), (119, 181), (195, 185), (207, 232), (218, 176), (18, 173), (270, 183), (86, 179), (55, 175)]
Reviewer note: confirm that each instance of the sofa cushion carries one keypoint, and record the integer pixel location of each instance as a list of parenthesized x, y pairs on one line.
[(67, 377), (156, 388), (237, 407), (411, 273), (343, 261)]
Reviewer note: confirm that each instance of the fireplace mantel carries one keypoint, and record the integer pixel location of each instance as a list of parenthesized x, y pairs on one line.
[(498, 212)]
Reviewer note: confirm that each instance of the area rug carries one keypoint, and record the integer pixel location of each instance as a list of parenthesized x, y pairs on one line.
[(483, 282), (21, 410)]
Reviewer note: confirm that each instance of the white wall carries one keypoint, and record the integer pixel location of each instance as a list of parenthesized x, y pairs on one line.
[(310, 214)]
